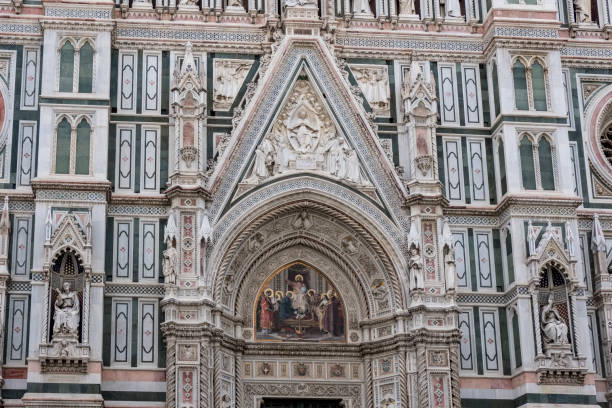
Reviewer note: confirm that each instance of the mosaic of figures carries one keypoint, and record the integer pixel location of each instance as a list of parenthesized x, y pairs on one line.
[(299, 304)]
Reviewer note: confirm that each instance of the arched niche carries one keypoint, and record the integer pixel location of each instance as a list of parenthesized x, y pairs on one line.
[(299, 303)]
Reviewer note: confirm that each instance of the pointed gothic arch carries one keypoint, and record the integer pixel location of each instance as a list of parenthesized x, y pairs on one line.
[(293, 56)]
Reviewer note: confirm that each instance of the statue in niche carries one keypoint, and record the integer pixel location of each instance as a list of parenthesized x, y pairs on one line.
[(407, 7), (415, 264), (532, 235), (170, 260), (67, 312), (570, 239), (448, 250), (301, 3), (362, 7), (452, 8), (583, 11), (263, 160), (554, 329)]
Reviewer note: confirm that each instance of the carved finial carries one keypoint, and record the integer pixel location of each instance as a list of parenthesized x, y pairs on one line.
[(598, 240), (447, 236), (4, 221), (170, 230), (414, 236), (188, 62), (206, 229)]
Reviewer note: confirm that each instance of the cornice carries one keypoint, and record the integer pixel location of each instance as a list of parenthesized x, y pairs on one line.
[(51, 23), (40, 184), (138, 199)]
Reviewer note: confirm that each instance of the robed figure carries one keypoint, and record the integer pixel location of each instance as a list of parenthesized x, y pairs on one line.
[(66, 316)]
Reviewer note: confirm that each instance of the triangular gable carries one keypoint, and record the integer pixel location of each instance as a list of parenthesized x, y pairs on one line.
[(292, 56), (305, 138)]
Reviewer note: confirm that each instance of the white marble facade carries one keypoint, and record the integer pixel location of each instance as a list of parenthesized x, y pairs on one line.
[(249, 203)]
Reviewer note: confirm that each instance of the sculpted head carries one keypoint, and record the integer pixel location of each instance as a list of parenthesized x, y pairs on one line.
[(66, 287)]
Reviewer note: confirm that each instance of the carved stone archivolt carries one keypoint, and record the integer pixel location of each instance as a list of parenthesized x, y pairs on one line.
[(317, 235)]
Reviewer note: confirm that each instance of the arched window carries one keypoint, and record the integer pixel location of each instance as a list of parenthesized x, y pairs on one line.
[(73, 147), (76, 67), (66, 67), (86, 68), (538, 86), (519, 73), (62, 148), (546, 164), (530, 85), (527, 164), (82, 148), (537, 163), (502, 166), (495, 91)]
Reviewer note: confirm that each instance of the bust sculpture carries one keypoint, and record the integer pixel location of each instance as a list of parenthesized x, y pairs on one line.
[(554, 329), (67, 312)]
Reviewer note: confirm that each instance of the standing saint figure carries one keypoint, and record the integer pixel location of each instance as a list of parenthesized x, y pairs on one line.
[(453, 9), (583, 10), (299, 299), (67, 311), (169, 263), (266, 311), (406, 7), (553, 326), (531, 238), (415, 264)]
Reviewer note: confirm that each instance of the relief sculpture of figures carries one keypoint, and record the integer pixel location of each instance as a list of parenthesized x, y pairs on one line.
[(304, 138), (229, 76), (66, 315), (374, 83), (453, 9), (554, 329)]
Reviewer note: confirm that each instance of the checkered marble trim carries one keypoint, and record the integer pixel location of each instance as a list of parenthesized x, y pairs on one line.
[(62, 195), (188, 35), (137, 210), (403, 44), (19, 286), (117, 289), (20, 28), (492, 298), (594, 52), (78, 13)]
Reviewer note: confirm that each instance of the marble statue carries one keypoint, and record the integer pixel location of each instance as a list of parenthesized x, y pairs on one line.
[(448, 250), (570, 239), (170, 262), (583, 10), (406, 7), (300, 3), (554, 329), (415, 264), (67, 315), (532, 235), (362, 7), (452, 8)]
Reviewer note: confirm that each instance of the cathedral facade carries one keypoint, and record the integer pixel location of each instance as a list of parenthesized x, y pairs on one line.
[(306, 203)]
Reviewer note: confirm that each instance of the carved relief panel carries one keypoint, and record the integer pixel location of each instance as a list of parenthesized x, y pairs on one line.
[(229, 75)]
